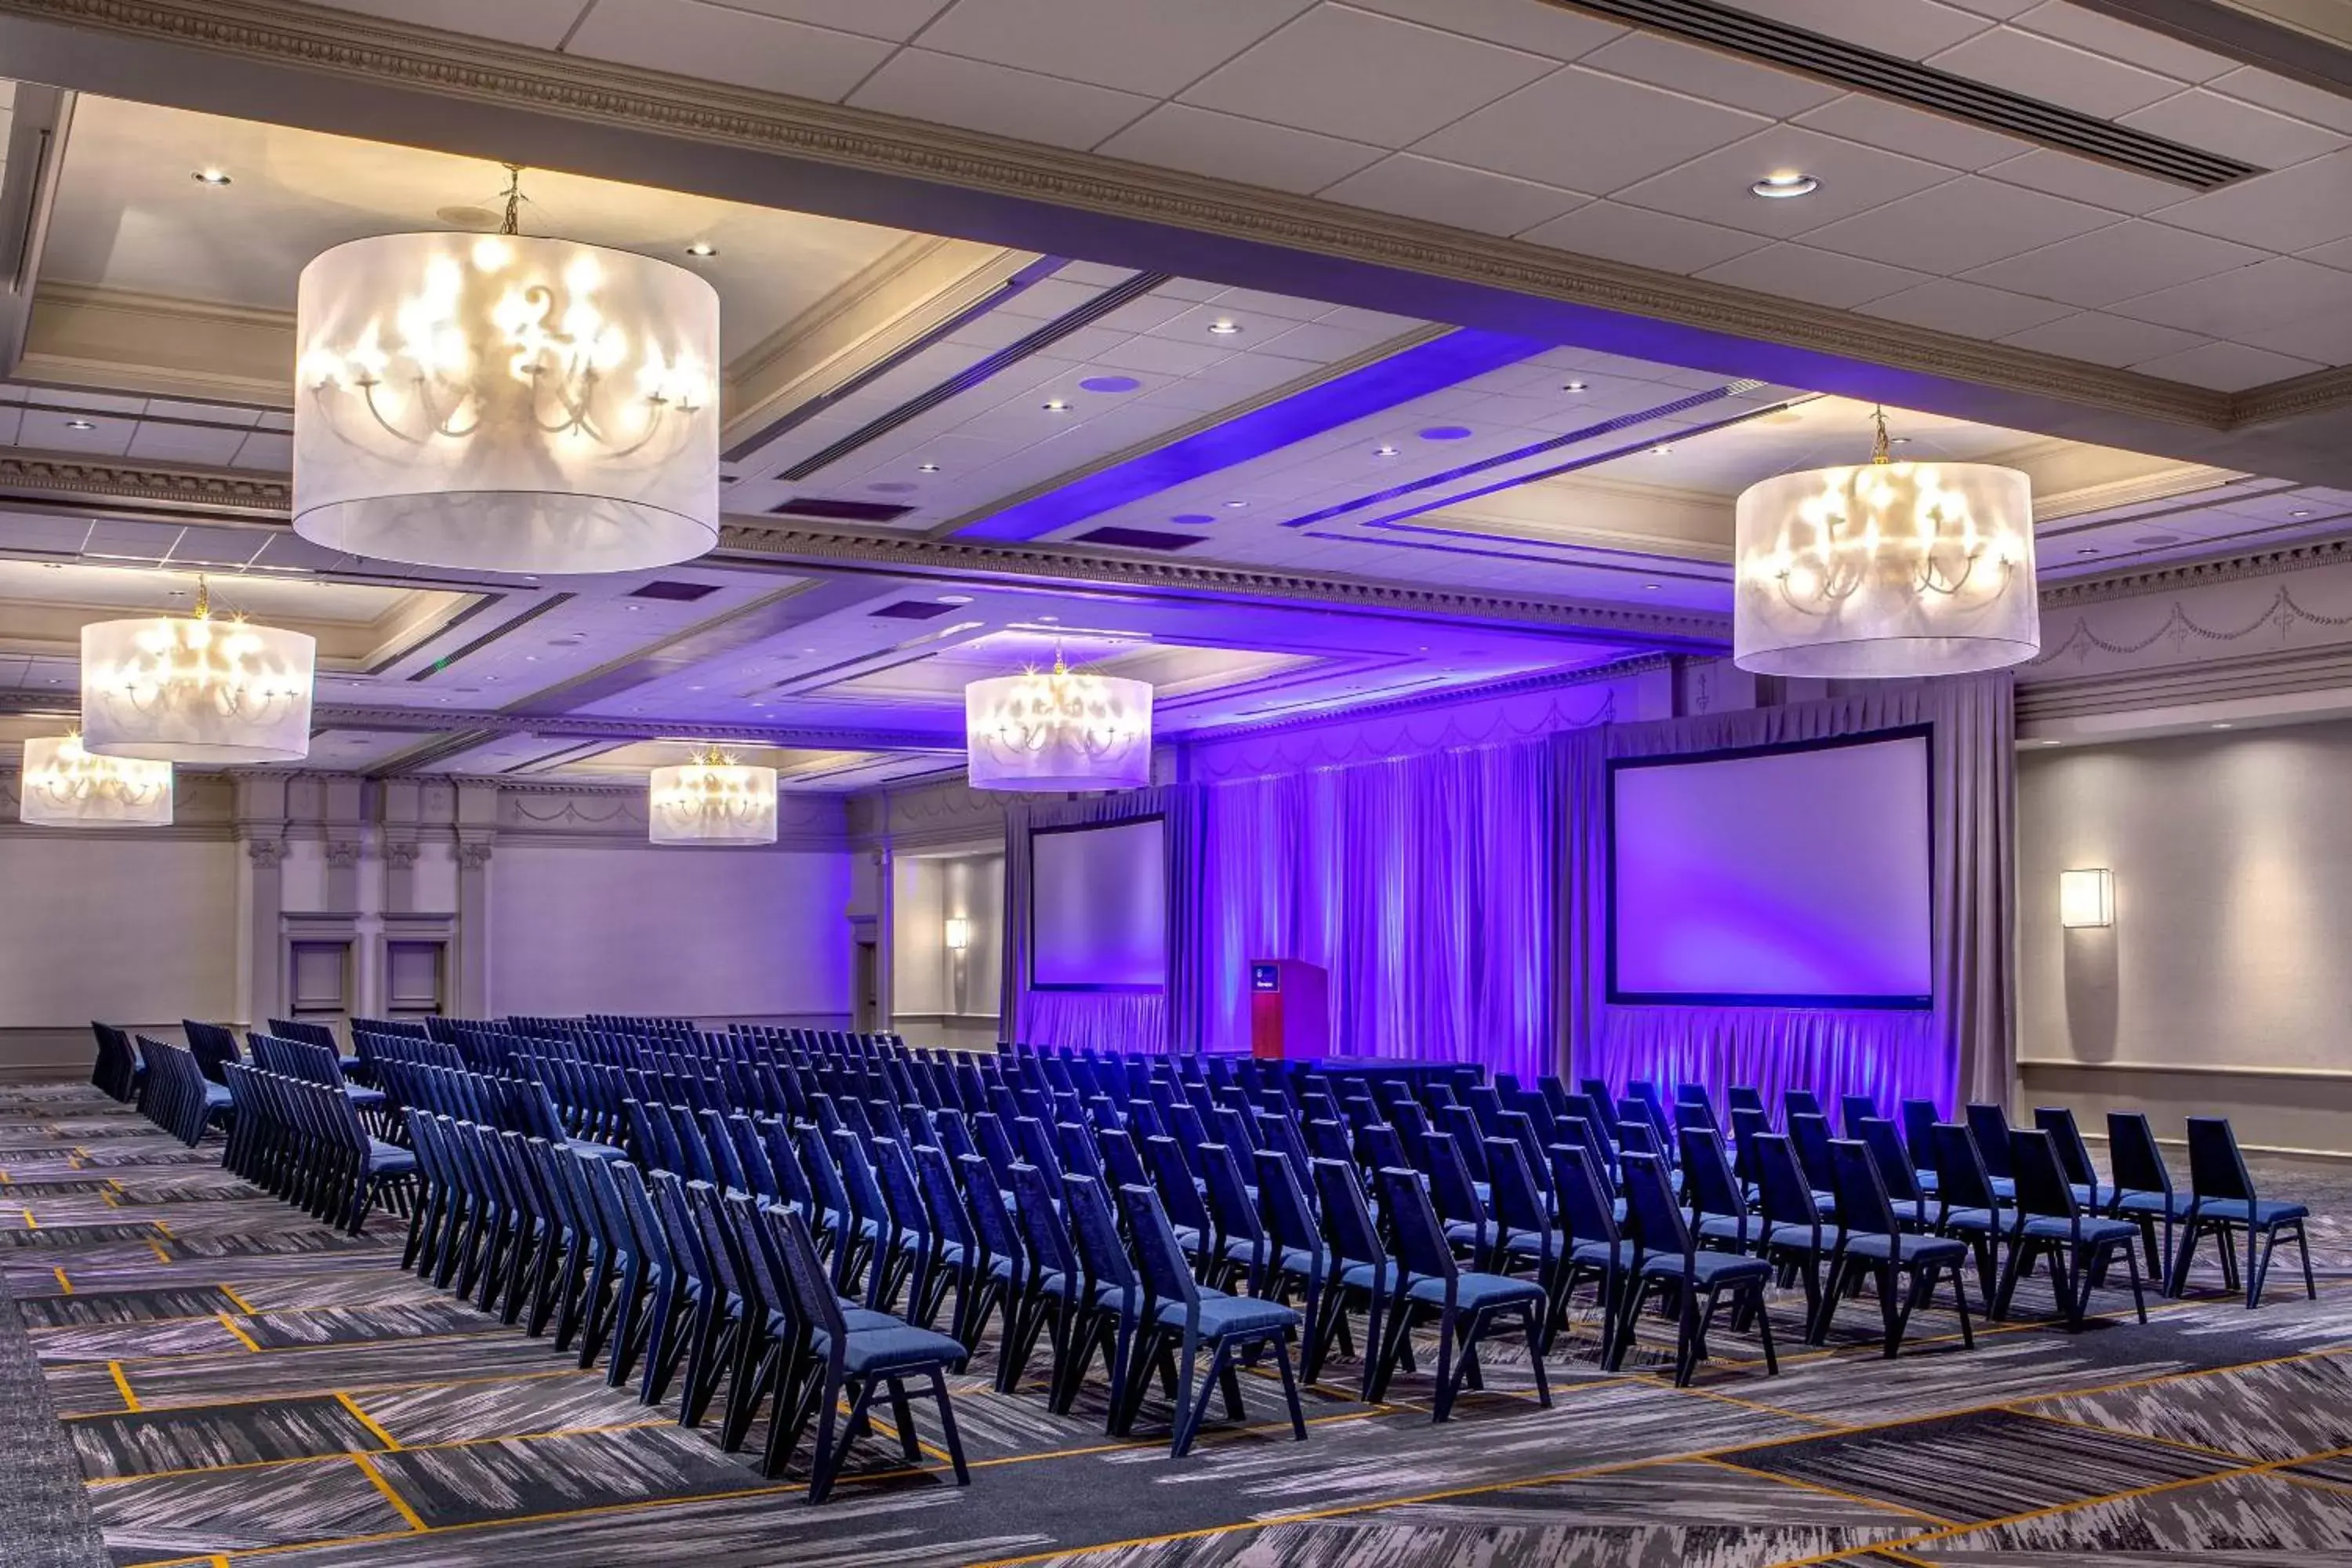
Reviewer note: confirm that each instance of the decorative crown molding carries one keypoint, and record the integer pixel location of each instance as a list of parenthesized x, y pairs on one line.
[(285, 34), (1450, 697), (40, 475), (915, 556), (2336, 551)]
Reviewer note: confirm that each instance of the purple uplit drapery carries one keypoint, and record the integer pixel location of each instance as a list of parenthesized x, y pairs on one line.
[(1961, 1050), (1422, 883), (1109, 1020)]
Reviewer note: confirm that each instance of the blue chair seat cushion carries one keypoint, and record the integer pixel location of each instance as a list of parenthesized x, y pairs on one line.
[(389, 1159), (1474, 1292), (2094, 1230), (1466, 1233), (360, 1095), (1730, 1227), (897, 1346), (1981, 1219), (1358, 1276), (594, 1149), (1915, 1248), (1598, 1254), (1709, 1269), (2261, 1212), (216, 1095), (2155, 1204), (1788, 1234), (1222, 1315), (1535, 1243)]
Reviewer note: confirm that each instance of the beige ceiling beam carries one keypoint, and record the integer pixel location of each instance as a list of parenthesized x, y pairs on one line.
[(117, 340)]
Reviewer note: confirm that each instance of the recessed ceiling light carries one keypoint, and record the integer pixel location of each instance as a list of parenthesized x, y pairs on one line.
[(2300, 511), (955, 598), (702, 247), (531, 659), (927, 467), (2087, 550), (1056, 405), (694, 689), (1225, 329), (1660, 452), (80, 425), (1049, 620), (2221, 726), (1898, 440), (1649, 587), (1237, 504), (1384, 451), (1783, 184), (633, 609), (211, 176)]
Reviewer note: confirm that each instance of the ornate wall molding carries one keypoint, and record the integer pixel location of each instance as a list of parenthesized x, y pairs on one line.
[(277, 33), (2133, 585), (39, 476)]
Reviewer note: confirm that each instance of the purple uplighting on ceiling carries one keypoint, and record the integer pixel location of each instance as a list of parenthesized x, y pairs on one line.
[(1441, 363), (1109, 384), (1445, 433)]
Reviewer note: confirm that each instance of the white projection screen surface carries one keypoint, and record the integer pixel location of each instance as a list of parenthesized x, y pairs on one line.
[(1099, 908), (1789, 877)]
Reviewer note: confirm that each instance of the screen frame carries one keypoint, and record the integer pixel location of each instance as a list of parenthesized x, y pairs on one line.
[(1619, 997), (1167, 912)]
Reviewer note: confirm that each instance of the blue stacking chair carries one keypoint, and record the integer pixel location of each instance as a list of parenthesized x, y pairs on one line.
[(2052, 1225), (1186, 1318), (1898, 1178), (1361, 1265), (2224, 1199), (1596, 1248), (1110, 1306), (1795, 1238), (1469, 1307), (858, 1363), (1669, 1260), (2143, 1193), (1529, 1234), (1298, 1258), (1971, 1208), (1872, 1240)]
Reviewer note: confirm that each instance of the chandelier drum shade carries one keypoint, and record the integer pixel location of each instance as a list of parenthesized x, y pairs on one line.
[(1886, 570), (63, 785), (505, 402), (712, 800), (1057, 729), (196, 689)]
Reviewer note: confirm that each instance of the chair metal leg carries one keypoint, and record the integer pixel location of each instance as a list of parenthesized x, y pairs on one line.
[(1290, 1387), (949, 1434)]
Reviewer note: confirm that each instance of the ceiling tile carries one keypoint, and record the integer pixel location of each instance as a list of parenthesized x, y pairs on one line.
[(2293, 209), (1716, 187), (722, 45), (2056, 174), (1970, 309), (1437, 192), (2338, 255), (2053, 72), (1816, 277), (2332, 109), (2115, 39), (1912, 29), (1899, 128), (2201, 119), (1179, 136), (1957, 225), (185, 443), (1367, 77), (2115, 263), (2227, 367), (1552, 31), (2098, 338), (2002, 9), (895, 19), (1581, 130), (2282, 292), (952, 90), (1709, 75), (55, 432), (1618, 233), (540, 23), (1153, 46)]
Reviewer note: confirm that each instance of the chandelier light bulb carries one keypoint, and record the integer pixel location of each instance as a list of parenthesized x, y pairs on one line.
[(505, 402), (1888, 570), (195, 689), (63, 785), (1057, 729), (712, 800)]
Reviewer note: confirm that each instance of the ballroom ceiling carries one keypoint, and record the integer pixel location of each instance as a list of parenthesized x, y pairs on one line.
[(947, 456)]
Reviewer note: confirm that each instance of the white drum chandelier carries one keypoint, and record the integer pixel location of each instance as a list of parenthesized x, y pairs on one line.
[(1058, 729), (196, 689), (505, 403), (712, 800), (1891, 569), (64, 786)]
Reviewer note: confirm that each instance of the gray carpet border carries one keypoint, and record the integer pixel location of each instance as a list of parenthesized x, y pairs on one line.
[(45, 1515)]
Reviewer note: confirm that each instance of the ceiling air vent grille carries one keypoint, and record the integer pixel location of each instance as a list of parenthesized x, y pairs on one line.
[(1921, 86)]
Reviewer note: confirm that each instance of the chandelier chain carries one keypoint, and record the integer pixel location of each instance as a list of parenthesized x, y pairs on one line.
[(513, 223)]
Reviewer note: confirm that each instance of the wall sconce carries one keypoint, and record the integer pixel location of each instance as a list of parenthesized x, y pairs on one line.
[(959, 934), (2086, 898)]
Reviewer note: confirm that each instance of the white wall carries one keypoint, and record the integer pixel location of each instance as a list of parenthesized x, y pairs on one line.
[(2225, 984), (940, 997), (698, 932), (135, 932)]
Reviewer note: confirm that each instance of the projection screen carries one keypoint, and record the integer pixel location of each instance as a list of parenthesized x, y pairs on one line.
[(1785, 876), (1098, 906)]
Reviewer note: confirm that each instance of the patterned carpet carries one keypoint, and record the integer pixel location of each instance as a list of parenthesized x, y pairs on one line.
[(238, 1386)]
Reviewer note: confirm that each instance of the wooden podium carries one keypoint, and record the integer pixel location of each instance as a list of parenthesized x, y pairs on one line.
[(1290, 1009)]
